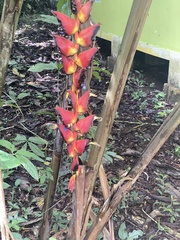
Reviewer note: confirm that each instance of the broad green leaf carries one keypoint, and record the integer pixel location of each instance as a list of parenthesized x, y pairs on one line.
[(122, 233), (48, 19), (8, 161), (7, 145), (30, 168), (135, 234), (28, 154), (35, 149), (39, 67), (20, 138), (23, 95), (37, 140)]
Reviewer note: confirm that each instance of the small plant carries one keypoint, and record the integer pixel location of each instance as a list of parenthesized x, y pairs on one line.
[(124, 235)]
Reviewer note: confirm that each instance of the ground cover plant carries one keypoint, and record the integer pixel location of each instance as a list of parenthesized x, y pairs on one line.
[(155, 204)]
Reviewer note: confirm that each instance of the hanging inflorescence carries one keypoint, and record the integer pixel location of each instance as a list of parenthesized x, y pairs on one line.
[(74, 124)]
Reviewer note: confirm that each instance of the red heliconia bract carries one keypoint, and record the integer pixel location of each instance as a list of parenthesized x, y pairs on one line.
[(71, 150), (84, 58), (75, 164), (68, 117), (80, 145), (72, 181), (85, 37), (69, 65), (71, 26), (82, 104), (75, 80), (67, 47), (83, 125), (84, 11), (68, 135), (79, 104)]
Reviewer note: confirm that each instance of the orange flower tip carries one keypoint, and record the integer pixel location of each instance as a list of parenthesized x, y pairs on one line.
[(76, 77), (68, 117), (84, 58), (71, 26), (87, 35), (84, 12), (71, 184), (69, 65), (68, 135), (67, 47)]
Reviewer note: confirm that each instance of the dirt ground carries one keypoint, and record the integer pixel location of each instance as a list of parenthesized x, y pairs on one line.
[(153, 204)]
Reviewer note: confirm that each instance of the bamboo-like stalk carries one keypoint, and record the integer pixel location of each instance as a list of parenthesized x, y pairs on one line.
[(9, 20), (122, 66), (51, 189)]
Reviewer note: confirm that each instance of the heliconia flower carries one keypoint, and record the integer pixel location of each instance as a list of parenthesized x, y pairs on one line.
[(84, 11), (77, 147), (79, 104), (68, 135), (85, 37), (69, 65), (82, 104), (71, 150), (75, 164), (71, 26), (80, 145), (72, 181), (83, 125), (68, 117), (67, 47), (75, 79), (84, 58)]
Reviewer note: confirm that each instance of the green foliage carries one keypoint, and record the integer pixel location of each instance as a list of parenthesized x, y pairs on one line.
[(177, 151), (13, 156), (97, 70), (39, 67), (64, 7), (124, 235), (48, 19)]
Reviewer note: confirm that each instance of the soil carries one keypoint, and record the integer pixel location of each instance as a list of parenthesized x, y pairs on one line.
[(153, 204)]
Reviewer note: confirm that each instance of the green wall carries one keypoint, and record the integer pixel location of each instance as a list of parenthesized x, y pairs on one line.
[(162, 27)]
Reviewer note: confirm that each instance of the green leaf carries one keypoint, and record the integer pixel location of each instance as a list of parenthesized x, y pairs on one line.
[(37, 140), (23, 95), (5, 185), (34, 148), (122, 233), (20, 138), (135, 234), (28, 154), (17, 236), (96, 75), (7, 145), (48, 19), (29, 166), (8, 161), (39, 67)]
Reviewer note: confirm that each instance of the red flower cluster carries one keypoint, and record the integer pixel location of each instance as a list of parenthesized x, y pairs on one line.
[(72, 128)]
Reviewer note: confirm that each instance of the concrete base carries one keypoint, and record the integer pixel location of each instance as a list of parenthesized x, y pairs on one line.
[(172, 93)]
